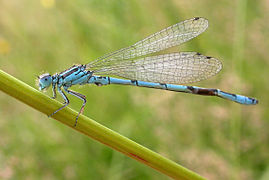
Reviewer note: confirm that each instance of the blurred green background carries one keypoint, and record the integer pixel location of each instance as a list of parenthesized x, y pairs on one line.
[(216, 138)]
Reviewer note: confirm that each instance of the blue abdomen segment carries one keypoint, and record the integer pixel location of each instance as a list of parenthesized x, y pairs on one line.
[(99, 80), (237, 98)]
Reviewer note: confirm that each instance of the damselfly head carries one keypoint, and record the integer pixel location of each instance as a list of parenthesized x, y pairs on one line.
[(45, 81)]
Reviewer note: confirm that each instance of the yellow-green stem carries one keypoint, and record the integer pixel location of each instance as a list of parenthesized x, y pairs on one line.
[(87, 126)]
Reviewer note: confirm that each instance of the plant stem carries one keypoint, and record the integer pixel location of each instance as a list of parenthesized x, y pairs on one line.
[(87, 126)]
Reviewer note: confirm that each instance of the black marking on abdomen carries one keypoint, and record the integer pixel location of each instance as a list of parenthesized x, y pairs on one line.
[(254, 100), (190, 88), (165, 85), (134, 81)]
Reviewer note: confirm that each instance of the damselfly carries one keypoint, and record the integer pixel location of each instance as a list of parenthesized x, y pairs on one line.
[(139, 66)]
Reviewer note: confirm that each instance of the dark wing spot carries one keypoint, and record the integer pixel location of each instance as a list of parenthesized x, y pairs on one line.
[(196, 18)]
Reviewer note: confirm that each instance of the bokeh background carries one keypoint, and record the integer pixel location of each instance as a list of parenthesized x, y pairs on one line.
[(216, 138)]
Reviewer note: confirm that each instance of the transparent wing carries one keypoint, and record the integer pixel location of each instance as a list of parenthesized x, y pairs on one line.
[(174, 68), (166, 38)]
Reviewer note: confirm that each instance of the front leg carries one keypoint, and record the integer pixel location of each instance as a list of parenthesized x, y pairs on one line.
[(66, 101), (53, 91)]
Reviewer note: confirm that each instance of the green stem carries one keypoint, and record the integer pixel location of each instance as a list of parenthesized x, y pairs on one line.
[(87, 126)]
